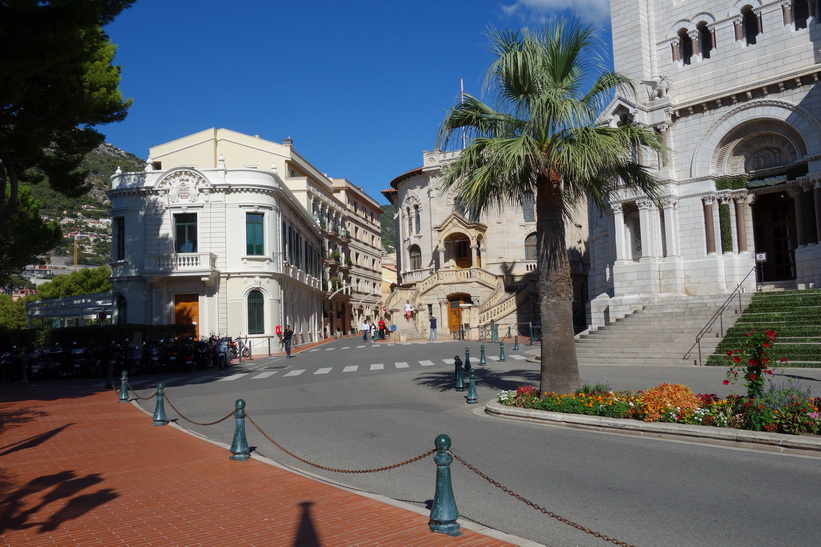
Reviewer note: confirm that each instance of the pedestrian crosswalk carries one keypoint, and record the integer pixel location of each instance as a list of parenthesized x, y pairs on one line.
[(261, 372)]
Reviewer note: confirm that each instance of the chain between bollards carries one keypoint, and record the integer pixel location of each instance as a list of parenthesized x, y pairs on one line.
[(550, 514), (335, 469), (192, 421), (134, 392)]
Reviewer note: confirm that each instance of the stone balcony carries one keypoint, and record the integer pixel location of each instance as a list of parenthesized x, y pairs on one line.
[(202, 265)]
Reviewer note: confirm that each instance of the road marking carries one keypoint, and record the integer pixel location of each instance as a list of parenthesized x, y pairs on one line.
[(493, 357), (378, 366), (518, 357), (232, 377), (330, 349), (448, 361), (401, 365), (262, 375), (426, 363), (323, 370), (358, 347), (350, 368), (317, 349), (346, 347), (295, 372)]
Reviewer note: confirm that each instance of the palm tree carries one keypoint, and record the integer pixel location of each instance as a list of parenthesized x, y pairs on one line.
[(549, 85)]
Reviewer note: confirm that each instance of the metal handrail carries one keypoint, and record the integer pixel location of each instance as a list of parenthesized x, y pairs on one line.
[(719, 314)]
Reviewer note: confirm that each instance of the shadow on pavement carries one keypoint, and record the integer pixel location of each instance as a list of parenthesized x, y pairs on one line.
[(501, 380)]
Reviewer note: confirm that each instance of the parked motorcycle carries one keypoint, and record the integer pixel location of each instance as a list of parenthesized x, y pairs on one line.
[(152, 358), (223, 352), (187, 355), (170, 354)]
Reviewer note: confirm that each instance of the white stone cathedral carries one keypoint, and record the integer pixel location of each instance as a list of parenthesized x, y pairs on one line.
[(733, 89)]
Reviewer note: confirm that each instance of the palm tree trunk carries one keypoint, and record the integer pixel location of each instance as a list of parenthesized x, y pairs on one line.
[(559, 365)]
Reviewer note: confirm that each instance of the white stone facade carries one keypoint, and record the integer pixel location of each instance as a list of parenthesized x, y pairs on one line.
[(239, 236), (733, 89), (464, 271)]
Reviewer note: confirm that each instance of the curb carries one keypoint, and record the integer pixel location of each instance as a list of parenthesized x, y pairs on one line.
[(777, 443)]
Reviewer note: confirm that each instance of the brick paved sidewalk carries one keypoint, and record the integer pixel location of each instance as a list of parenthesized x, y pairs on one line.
[(79, 468)]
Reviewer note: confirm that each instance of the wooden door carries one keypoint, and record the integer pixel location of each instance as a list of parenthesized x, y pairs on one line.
[(187, 310), (454, 315)]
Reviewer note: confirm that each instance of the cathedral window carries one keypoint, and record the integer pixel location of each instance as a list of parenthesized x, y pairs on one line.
[(685, 45), (705, 40)]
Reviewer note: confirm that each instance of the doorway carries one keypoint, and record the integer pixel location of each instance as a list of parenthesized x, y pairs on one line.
[(455, 302), (187, 310), (774, 220)]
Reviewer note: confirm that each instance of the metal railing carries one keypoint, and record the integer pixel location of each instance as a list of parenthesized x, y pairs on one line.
[(718, 316)]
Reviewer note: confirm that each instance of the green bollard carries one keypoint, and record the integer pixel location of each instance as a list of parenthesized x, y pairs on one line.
[(471, 397), (443, 511), (159, 410), (460, 381), (501, 351), (239, 447), (124, 387), (467, 358), (516, 343), (457, 364), (482, 360)]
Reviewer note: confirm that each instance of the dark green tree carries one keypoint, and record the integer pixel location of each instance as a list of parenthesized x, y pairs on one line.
[(25, 235), (13, 314), (85, 281), (541, 139), (57, 86)]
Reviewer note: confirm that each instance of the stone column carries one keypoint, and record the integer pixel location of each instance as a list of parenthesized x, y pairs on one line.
[(797, 194), (786, 12), (618, 220), (473, 255), (674, 43), (441, 254), (741, 222), (647, 228), (817, 195), (671, 226), (695, 40), (709, 224)]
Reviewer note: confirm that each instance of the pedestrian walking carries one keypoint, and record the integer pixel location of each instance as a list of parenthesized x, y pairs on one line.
[(381, 328), (287, 334), (408, 310), (365, 329), (373, 332), (433, 329)]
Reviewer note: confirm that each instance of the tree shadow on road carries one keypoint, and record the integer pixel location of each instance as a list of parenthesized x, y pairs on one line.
[(501, 380)]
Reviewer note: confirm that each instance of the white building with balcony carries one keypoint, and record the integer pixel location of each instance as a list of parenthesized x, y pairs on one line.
[(468, 272), (232, 233)]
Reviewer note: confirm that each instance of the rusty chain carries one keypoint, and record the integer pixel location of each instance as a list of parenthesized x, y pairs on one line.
[(134, 391), (192, 421), (334, 469), (560, 518)]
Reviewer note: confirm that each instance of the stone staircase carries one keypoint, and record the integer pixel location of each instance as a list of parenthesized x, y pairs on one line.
[(658, 334)]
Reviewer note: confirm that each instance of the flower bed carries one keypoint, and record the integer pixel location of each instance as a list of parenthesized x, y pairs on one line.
[(786, 409)]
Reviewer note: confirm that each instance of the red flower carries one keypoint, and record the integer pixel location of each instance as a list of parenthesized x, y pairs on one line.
[(753, 377), (783, 359), (726, 382)]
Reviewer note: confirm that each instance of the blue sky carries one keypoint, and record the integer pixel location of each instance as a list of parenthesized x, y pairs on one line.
[(361, 87)]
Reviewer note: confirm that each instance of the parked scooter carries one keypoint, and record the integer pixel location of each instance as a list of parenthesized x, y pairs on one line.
[(223, 352), (187, 355), (152, 359), (204, 354), (170, 354)]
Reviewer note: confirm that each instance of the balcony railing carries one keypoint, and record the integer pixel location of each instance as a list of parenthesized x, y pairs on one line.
[(175, 264)]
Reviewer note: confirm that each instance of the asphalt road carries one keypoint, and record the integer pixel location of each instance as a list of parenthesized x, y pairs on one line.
[(365, 407)]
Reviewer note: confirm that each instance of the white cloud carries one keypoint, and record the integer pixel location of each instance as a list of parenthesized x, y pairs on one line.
[(596, 12)]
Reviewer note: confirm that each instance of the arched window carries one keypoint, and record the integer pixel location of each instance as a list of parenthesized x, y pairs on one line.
[(705, 40), (415, 257), (530, 247), (685, 45), (528, 208), (750, 25), (418, 217), (256, 312), (410, 222)]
